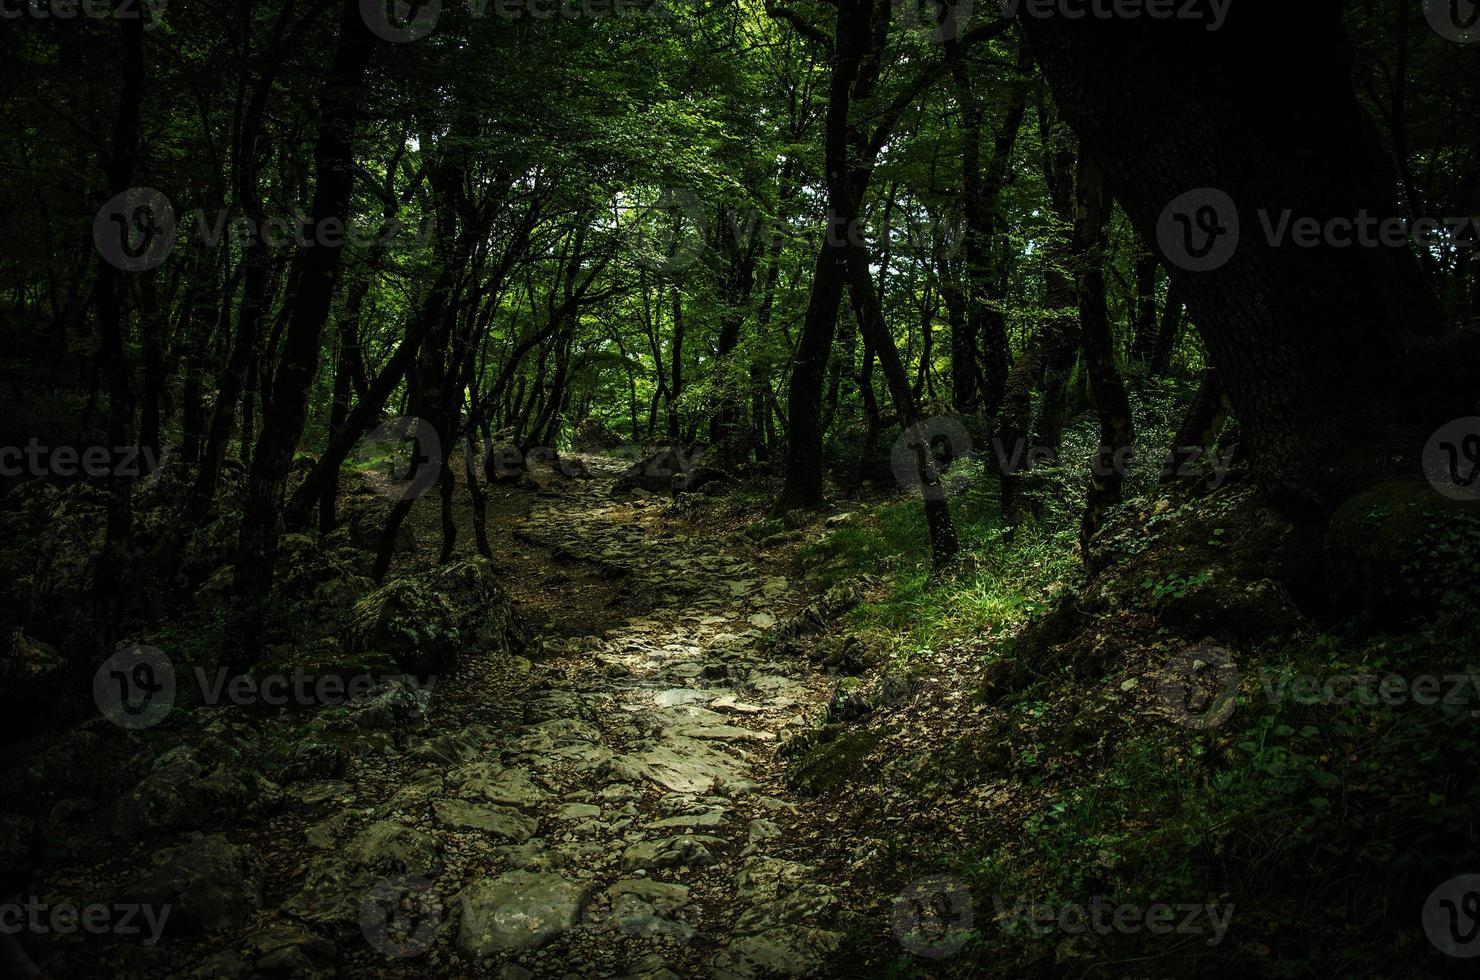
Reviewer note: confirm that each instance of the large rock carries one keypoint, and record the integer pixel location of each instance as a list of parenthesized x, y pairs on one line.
[(208, 883), (518, 910), (32, 675), (1402, 552), (683, 765), (429, 621), (783, 932), (688, 850), (655, 473), (183, 794), (334, 890)]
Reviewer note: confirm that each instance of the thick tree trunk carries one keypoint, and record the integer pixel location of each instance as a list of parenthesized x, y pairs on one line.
[(803, 486), (1306, 339)]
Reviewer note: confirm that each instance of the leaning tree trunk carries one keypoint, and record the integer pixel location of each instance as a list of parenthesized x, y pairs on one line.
[(1321, 350), (1143, 311), (1117, 432), (943, 544), (1198, 434)]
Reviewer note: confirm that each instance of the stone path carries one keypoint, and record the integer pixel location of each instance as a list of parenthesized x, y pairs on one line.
[(633, 823)]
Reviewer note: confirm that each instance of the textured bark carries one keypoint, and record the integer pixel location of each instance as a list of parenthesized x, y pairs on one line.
[(1168, 333), (1117, 431), (1198, 433), (1305, 339), (1143, 312), (942, 530)]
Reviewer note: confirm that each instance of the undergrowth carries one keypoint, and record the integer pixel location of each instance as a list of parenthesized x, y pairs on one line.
[(1321, 824)]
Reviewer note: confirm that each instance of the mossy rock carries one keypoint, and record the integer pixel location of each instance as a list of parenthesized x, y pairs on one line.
[(832, 764), (1400, 553), (328, 658), (428, 622)]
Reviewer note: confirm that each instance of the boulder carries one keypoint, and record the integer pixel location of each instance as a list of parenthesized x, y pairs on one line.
[(429, 621), (208, 883), (518, 910)]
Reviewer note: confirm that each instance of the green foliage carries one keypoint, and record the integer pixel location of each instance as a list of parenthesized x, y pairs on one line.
[(998, 585)]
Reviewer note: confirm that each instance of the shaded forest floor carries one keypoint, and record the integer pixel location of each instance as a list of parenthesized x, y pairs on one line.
[(746, 746)]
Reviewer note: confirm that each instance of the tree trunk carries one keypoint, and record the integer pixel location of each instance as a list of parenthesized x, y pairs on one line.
[(283, 425), (1143, 313), (109, 589), (1117, 432), (1312, 344)]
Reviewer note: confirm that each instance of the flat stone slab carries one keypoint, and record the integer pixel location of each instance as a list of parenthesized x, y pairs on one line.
[(518, 910), (495, 820)]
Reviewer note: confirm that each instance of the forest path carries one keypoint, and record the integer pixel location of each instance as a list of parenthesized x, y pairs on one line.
[(629, 819)]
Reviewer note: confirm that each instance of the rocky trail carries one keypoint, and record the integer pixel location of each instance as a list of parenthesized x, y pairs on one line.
[(611, 806)]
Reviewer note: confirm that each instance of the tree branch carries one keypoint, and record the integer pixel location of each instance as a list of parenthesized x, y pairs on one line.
[(800, 24)]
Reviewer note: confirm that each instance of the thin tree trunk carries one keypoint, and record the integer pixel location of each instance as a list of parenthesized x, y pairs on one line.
[(283, 426), (109, 589), (1117, 431)]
